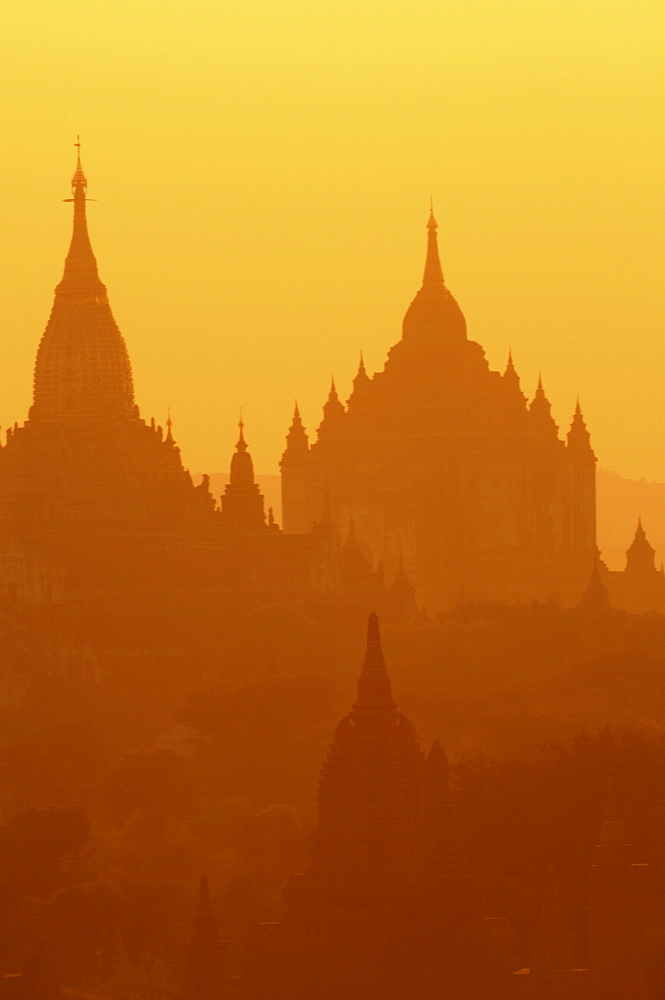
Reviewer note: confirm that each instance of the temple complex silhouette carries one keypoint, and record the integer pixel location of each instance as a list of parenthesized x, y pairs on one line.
[(443, 463), (96, 507), (437, 482)]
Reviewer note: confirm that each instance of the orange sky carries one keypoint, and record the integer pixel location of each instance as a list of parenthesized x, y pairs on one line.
[(262, 174)]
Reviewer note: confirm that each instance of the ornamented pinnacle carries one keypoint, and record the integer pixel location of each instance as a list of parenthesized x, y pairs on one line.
[(333, 408), (80, 276), (296, 438), (641, 554), (374, 688), (433, 313), (79, 178), (578, 435), (431, 222), (242, 444), (360, 381), (242, 467), (433, 273)]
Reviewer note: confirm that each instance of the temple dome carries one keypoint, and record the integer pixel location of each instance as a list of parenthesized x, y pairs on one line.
[(434, 312)]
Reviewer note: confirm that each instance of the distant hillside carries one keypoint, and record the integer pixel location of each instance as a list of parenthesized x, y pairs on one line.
[(620, 503)]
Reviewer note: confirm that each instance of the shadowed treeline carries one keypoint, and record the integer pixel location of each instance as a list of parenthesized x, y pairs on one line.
[(104, 835)]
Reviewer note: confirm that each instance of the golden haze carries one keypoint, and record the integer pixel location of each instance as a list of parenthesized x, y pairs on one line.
[(263, 172)]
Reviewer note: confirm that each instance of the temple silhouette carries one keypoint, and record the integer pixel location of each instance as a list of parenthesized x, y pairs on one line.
[(387, 907), (436, 483), (444, 464), (97, 509)]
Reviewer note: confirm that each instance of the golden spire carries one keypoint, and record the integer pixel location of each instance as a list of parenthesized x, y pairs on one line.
[(433, 274), (79, 178), (80, 276)]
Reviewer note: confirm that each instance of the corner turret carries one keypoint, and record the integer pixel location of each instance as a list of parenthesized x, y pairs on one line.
[(294, 466), (540, 411), (361, 383), (641, 555), (242, 501), (579, 439), (297, 442), (511, 380), (333, 413)]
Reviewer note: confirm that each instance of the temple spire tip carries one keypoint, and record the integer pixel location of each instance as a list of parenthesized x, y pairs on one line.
[(431, 222), (433, 274), (374, 687), (242, 444), (79, 179)]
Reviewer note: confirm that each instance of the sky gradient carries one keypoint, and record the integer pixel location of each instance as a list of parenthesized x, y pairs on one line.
[(262, 177)]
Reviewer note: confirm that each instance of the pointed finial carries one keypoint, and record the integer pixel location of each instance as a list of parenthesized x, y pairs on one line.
[(79, 178), (433, 273), (431, 222), (169, 425), (361, 365), (297, 421), (242, 444), (374, 688), (80, 276)]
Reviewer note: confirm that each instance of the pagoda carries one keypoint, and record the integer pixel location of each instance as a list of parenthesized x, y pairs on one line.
[(444, 464), (85, 482), (385, 907)]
